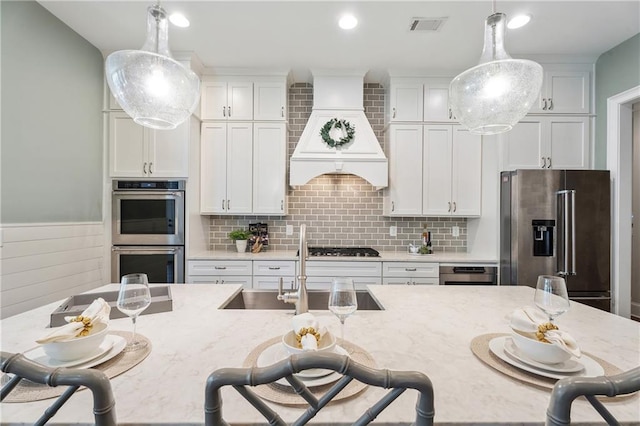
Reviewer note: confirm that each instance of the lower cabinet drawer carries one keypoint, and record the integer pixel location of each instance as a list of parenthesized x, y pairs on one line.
[(324, 283), (411, 269), (328, 268), (245, 281), (410, 281), (219, 267), (274, 267), (271, 283)]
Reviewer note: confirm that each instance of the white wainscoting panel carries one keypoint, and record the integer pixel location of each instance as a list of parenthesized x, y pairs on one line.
[(43, 263)]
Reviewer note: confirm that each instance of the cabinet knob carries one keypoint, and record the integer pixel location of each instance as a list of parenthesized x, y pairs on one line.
[(549, 162), (550, 104), (544, 162)]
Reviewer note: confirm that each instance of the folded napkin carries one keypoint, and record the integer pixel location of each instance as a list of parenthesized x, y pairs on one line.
[(97, 312), (308, 331), (529, 320)]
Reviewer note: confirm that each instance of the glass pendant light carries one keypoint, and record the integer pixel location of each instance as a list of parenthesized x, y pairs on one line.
[(151, 86), (493, 96)]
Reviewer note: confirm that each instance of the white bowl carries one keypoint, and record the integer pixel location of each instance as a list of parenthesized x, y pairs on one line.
[(78, 347), (327, 343), (546, 353)]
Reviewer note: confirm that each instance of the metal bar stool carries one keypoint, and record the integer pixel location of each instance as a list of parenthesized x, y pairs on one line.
[(568, 389), (98, 382), (240, 378)]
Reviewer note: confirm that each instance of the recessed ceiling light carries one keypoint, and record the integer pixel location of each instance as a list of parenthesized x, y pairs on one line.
[(518, 21), (348, 22), (179, 20)]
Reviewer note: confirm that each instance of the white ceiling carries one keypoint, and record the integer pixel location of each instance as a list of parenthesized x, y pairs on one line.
[(302, 35)]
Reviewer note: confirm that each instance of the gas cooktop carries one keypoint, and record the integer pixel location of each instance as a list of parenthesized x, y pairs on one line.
[(343, 251)]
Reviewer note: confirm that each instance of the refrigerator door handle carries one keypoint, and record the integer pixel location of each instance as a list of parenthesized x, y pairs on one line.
[(566, 200)]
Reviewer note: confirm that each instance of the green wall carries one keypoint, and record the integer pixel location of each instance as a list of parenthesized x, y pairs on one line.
[(617, 70), (51, 103)]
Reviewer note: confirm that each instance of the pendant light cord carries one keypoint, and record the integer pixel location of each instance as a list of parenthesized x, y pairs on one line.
[(494, 6)]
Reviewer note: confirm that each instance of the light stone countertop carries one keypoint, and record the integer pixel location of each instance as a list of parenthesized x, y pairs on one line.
[(444, 258), (424, 328)]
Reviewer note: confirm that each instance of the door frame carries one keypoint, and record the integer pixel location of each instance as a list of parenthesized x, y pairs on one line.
[(619, 146)]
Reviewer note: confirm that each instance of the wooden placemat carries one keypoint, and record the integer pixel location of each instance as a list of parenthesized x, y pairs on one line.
[(480, 348), (27, 391), (285, 395)]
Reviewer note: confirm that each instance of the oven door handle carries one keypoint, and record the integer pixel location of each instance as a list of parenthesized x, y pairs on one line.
[(166, 193), (162, 250)]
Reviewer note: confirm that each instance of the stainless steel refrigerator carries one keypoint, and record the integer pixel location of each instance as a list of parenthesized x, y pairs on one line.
[(557, 222)]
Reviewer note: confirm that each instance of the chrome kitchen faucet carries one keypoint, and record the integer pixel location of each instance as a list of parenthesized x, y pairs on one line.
[(298, 295)]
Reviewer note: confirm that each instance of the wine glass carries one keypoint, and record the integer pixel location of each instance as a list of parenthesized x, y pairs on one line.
[(551, 296), (133, 298), (342, 300)]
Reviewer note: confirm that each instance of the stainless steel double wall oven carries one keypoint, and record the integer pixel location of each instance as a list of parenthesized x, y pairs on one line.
[(148, 230)]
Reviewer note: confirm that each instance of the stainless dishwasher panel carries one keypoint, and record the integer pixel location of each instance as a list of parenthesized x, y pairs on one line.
[(468, 275)]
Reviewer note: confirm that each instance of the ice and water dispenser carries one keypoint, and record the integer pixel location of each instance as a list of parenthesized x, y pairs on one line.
[(543, 237)]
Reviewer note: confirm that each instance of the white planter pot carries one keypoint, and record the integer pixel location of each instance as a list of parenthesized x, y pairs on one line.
[(241, 245)]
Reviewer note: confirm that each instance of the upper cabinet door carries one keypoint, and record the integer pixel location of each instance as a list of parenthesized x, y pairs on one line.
[(240, 100), (269, 168), (269, 101), (436, 101), (403, 197), (213, 168), (437, 170), (214, 100), (569, 142), (466, 176), (127, 147), (169, 152), (564, 92), (525, 145), (406, 102), (239, 167)]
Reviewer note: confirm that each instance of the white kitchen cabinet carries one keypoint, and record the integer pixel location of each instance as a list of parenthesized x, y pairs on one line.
[(320, 273), (267, 274), (269, 100), (410, 273), (226, 168), (452, 177), (137, 151), (436, 101), (553, 142), (403, 196), (406, 100), (227, 100), (219, 272), (564, 92), (269, 168)]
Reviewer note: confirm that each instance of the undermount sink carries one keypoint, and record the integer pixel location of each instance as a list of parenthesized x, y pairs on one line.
[(318, 300)]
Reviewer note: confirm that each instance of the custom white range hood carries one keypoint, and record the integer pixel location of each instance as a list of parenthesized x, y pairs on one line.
[(338, 94)]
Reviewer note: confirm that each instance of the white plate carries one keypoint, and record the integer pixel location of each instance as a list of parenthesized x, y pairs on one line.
[(591, 367), (311, 377), (572, 365), (110, 347)]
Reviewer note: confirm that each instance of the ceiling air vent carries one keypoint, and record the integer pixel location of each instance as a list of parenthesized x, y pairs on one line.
[(426, 24)]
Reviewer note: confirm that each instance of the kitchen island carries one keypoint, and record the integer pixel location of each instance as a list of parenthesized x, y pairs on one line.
[(424, 328)]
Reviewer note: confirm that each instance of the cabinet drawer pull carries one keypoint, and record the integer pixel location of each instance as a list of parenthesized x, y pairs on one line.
[(220, 267), (144, 168), (544, 106), (450, 114), (393, 206), (150, 169), (550, 104), (274, 268), (410, 269), (222, 204), (224, 111), (229, 110), (449, 209), (394, 113), (544, 162), (282, 205), (282, 111), (228, 205), (549, 161), (454, 207)]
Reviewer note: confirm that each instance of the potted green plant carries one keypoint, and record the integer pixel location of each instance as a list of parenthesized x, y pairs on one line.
[(240, 236)]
